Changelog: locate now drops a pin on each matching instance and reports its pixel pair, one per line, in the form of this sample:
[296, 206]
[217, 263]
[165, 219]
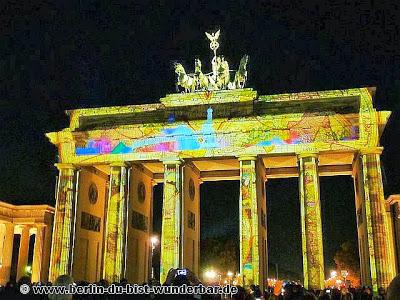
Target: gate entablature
[222, 123]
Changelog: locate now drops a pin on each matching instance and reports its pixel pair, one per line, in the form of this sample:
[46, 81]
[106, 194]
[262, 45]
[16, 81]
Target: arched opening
[339, 226]
[156, 232]
[14, 259]
[284, 229]
[219, 230]
[28, 269]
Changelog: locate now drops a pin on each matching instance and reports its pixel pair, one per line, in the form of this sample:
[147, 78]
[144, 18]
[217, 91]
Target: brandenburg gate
[111, 157]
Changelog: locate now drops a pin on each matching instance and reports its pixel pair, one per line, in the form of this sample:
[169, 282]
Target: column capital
[118, 164]
[9, 224]
[172, 161]
[247, 157]
[65, 166]
[307, 154]
[24, 226]
[391, 201]
[265, 178]
[371, 150]
[40, 225]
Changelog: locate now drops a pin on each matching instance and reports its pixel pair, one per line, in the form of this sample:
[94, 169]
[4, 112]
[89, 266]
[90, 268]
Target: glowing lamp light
[229, 274]
[333, 273]
[154, 240]
[28, 269]
[210, 274]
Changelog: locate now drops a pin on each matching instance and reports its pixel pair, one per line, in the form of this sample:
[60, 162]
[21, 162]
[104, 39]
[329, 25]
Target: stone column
[249, 218]
[37, 254]
[361, 228]
[190, 217]
[262, 224]
[311, 226]
[115, 231]
[46, 251]
[23, 252]
[377, 248]
[7, 253]
[60, 260]
[2, 237]
[171, 218]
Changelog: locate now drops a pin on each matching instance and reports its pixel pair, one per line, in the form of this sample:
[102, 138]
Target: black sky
[58, 55]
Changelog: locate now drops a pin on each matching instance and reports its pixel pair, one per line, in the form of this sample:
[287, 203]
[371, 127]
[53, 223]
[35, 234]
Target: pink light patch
[104, 145]
[161, 147]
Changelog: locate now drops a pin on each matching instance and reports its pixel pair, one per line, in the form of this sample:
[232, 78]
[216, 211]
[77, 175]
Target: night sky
[58, 55]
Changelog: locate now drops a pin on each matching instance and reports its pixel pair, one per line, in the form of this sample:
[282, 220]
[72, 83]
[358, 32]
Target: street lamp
[344, 275]
[230, 275]
[333, 274]
[28, 270]
[154, 242]
[210, 274]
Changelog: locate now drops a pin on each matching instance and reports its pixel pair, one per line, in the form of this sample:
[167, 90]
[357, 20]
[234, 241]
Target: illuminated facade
[216, 129]
[111, 157]
[25, 221]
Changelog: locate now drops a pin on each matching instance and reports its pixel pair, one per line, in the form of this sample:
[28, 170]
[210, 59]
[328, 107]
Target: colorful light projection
[261, 131]
[312, 245]
[171, 216]
[282, 132]
[60, 251]
[249, 260]
[115, 227]
[382, 270]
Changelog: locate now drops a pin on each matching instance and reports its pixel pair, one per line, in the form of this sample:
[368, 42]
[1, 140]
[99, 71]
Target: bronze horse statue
[201, 79]
[241, 73]
[219, 79]
[184, 80]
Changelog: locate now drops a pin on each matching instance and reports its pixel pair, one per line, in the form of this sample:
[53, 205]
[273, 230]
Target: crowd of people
[289, 291]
